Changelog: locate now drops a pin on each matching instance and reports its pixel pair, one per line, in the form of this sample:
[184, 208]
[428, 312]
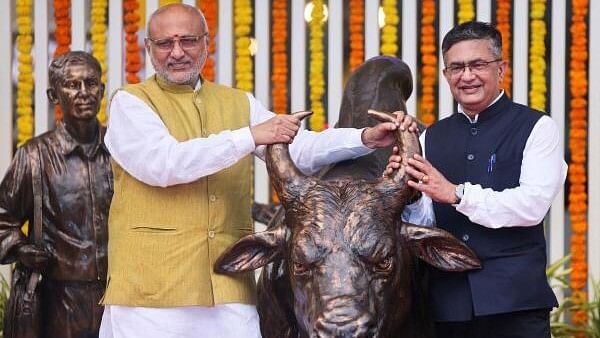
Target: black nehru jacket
[488, 152]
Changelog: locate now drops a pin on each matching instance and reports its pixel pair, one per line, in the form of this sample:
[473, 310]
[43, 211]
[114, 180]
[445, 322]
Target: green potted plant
[559, 323]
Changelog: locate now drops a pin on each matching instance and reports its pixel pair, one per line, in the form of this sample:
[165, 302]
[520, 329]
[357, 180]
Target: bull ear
[439, 248]
[252, 252]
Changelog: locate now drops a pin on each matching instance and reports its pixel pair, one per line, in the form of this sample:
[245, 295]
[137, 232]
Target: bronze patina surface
[342, 264]
[76, 189]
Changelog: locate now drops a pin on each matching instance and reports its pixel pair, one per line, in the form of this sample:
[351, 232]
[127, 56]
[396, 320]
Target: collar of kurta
[68, 144]
[500, 104]
[177, 88]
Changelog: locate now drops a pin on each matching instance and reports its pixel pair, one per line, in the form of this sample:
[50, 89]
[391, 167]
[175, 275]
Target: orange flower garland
[242, 19]
[133, 58]
[62, 34]
[537, 55]
[357, 40]
[504, 25]
[317, 59]
[428, 63]
[25, 67]
[210, 10]
[279, 77]
[577, 197]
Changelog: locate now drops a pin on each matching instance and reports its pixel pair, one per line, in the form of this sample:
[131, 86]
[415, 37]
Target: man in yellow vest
[183, 180]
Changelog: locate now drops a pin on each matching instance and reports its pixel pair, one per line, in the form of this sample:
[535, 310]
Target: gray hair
[474, 30]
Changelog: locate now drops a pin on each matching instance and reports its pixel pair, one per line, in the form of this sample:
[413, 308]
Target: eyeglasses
[476, 66]
[188, 42]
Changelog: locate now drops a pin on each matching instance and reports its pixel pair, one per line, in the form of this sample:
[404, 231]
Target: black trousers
[521, 324]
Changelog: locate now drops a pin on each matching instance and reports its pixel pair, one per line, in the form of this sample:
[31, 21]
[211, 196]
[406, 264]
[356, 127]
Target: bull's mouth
[317, 334]
[345, 327]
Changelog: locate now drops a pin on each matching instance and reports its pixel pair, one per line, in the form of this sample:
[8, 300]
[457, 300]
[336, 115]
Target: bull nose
[340, 326]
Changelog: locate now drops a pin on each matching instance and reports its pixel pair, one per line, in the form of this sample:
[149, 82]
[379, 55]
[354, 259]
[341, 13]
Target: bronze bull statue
[342, 264]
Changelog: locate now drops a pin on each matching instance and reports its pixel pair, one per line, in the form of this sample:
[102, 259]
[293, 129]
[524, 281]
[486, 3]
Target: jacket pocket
[154, 228]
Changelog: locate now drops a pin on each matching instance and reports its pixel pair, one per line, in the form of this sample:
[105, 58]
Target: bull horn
[408, 144]
[286, 178]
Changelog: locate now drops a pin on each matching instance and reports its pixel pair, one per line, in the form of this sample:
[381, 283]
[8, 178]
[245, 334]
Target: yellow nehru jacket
[163, 242]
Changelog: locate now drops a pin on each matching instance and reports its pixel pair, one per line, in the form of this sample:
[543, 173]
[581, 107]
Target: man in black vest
[492, 171]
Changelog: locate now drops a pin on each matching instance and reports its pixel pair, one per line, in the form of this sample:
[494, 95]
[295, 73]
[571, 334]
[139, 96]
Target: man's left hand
[429, 180]
[382, 134]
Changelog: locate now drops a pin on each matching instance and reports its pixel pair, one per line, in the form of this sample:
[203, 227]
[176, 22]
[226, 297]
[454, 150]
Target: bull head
[349, 260]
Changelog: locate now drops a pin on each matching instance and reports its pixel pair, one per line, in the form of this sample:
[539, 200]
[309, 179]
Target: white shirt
[140, 143]
[543, 172]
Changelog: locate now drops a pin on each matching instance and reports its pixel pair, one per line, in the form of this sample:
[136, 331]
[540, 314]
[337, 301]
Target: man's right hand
[278, 129]
[32, 257]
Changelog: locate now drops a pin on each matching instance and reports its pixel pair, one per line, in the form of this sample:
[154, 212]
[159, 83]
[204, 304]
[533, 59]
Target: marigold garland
[244, 68]
[357, 39]
[466, 11]
[279, 76]
[133, 57]
[244, 76]
[577, 196]
[210, 10]
[389, 32]
[98, 37]
[62, 35]
[316, 78]
[167, 2]
[503, 24]
[429, 62]
[537, 55]
[25, 67]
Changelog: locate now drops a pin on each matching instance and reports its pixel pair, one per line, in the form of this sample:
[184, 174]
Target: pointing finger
[383, 117]
[300, 115]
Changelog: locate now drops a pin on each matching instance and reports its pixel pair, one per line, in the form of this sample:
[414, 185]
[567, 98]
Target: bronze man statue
[76, 189]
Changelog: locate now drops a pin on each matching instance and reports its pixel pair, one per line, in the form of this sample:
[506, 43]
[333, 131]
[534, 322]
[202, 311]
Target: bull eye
[300, 269]
[386, 265]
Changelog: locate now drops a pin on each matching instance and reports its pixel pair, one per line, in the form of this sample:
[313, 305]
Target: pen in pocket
[491, 163]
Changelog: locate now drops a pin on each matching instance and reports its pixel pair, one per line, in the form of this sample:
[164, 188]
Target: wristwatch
[459, 192]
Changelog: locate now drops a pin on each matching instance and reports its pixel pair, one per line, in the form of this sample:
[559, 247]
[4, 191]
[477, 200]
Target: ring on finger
[425, 179]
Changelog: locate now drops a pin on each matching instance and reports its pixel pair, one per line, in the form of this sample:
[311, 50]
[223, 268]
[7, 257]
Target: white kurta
[221, 321]
[140, 143]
